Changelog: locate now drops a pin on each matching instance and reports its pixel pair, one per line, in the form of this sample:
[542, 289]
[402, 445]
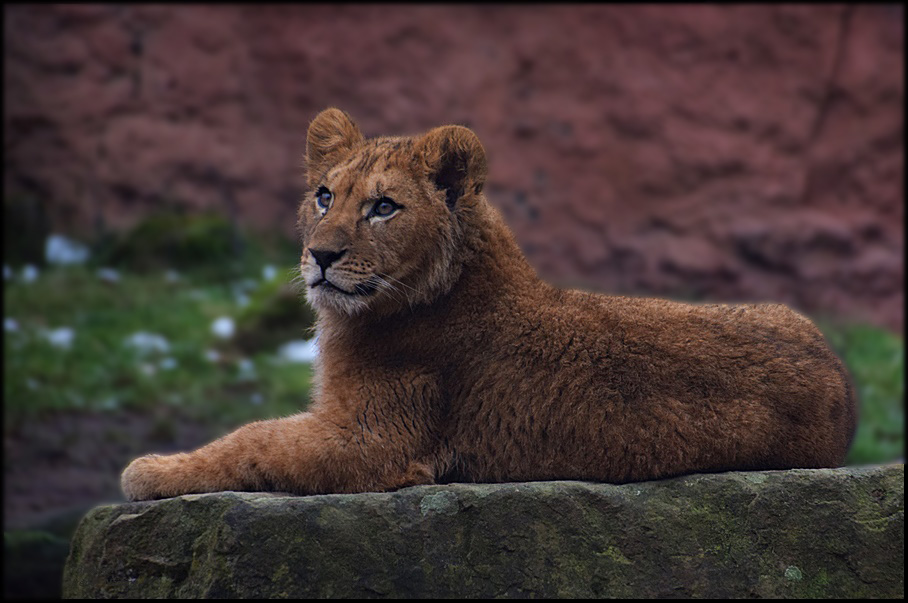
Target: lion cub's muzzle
[324, 259]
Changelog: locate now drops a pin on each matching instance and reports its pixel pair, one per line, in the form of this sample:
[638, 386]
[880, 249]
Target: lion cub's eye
[383, 208]
[323, 198]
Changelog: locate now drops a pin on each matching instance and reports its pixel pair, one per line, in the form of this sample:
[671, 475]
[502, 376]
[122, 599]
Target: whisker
[389, 287]
[388, 276]
[418, 293]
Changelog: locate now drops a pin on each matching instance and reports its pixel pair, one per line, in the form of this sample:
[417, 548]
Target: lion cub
[445, 358]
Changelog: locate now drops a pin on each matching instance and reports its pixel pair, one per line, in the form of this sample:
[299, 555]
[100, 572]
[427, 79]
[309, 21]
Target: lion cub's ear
[332, 134]
[455, 161]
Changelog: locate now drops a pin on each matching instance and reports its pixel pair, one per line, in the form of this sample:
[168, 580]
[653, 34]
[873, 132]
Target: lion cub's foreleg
[305, 454]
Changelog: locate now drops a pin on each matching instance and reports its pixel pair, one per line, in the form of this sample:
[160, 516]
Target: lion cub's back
[765, 357]
[760, 376]
[624, 389]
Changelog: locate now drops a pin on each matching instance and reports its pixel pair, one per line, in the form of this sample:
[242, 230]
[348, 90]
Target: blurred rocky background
[153, 166]
[700, 152]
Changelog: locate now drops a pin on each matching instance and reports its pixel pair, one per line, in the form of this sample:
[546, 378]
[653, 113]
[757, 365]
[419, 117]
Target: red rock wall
[717, 152]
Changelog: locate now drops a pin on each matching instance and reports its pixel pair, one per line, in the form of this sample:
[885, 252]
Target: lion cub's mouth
[358, 289]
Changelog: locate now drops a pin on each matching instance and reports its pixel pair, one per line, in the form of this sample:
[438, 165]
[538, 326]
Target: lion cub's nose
[325, 258]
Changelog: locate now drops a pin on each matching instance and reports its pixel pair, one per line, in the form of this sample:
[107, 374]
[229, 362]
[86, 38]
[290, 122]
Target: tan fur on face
[455, 362]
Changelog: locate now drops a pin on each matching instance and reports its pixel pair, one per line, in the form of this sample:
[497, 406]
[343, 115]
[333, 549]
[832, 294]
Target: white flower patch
[239, 294]
[7, 272]
[246, 368]
[145, 343]
[241, 290]
[212, 355]
[242, 300]
[168, 363]
[269, 272]
[62, 250]
[171, 276]
[108, 275]
[223, 327]
[10, 325]
[257, 398]
[301, 350]
[29, 273]
[61, 338]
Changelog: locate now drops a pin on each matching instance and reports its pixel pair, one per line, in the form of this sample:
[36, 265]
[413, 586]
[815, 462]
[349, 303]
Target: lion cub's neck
[494, 264]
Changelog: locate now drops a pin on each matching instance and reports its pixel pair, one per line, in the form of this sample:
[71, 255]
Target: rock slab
[799, 533]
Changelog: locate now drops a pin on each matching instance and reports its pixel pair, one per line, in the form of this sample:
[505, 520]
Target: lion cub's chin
[323, 298]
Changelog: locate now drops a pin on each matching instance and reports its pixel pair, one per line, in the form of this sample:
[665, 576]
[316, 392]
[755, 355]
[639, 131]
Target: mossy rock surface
[799, 533]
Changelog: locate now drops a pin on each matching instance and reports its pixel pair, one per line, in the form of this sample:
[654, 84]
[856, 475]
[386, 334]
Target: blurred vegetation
[274, 310]
[198, 372]
[172, 240]
[101, 371]
[876, 361]
[192, 242]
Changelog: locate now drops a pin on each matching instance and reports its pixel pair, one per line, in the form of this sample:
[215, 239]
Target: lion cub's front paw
[146, 478]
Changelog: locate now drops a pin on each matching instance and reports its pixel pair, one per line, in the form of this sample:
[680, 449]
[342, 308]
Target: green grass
[100, 373]
[876, 361]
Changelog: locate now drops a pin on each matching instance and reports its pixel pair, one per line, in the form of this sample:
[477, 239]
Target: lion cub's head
[381, 224]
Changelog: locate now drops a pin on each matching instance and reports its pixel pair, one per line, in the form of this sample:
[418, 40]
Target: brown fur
[460, 364]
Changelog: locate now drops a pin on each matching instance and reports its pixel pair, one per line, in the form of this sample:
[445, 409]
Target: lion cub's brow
[357, 171]
[375, 155]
